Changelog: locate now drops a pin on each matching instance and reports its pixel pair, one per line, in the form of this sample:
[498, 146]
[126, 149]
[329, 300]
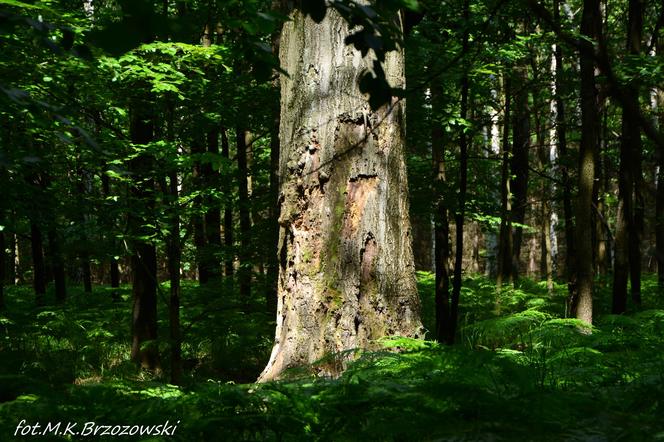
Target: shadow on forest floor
[521, 371]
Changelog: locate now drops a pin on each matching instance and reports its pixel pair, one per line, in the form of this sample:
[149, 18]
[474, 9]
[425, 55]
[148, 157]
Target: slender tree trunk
[174, 258]
[144, 255]
[84, 255]
[57, 264]
[629, 180]
[228, 215]
[505, 262]
[213, 212]
[3, 263]
[39, 269]
[11, 265]
[244, 272]
[459, 217]
[210, 179]
[441, 222]
[347, 272]
[561, 137]
[583, 305]
[519, 163]
[659, 208]
[197, 149]
[114, 265]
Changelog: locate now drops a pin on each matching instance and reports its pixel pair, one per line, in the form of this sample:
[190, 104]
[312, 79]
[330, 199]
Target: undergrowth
[521, 371]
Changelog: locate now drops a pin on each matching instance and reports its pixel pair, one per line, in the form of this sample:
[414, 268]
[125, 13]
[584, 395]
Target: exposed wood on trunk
[346, 265]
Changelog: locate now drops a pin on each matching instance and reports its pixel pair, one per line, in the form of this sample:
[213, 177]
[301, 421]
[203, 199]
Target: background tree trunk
[144, 254]
[583, 304]
[347, 273]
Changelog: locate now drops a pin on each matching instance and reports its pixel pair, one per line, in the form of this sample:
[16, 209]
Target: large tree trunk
[347, 274]
[583, 304]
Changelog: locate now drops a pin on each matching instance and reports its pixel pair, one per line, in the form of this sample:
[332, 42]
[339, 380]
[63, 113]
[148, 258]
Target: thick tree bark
[39, 269]
[144, 255]
[582, 306]
[347, 274]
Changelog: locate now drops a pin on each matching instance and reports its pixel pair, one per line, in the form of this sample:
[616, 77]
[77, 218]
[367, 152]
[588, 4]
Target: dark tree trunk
[144, 256]
[213, 213]
[114, 265]
[3, 263]
[229, 253]
[39, 269]
[57, 264]
[659, 209]
[519, 163]
[84, 255]
[628, 237]
[198, 150]
[561, 137]
[174, 258]
[582, 306]
[244, 272]
[459, 217]
[441, 223]
[505, 261]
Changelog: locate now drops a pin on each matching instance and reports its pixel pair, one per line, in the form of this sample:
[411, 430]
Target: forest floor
[520, 371]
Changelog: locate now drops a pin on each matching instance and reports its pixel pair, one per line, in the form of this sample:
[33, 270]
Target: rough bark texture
[346, 265]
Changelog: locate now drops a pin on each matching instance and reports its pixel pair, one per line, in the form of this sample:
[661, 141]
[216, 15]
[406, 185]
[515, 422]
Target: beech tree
[346, 269]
